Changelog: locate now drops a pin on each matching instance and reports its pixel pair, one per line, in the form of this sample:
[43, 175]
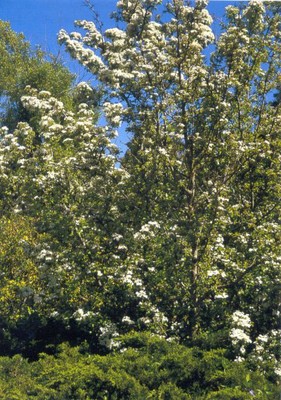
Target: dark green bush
[144, 367]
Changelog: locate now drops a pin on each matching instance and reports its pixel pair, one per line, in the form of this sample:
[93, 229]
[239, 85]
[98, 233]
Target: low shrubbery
[143, 367]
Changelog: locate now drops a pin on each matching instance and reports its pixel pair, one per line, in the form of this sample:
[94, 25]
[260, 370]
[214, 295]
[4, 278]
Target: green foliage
[145, 367]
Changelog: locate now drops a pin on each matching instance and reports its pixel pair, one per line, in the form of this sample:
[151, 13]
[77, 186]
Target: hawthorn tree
[61, 185]
[201, 177]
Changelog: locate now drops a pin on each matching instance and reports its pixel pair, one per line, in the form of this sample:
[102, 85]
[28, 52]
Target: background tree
[22, 66]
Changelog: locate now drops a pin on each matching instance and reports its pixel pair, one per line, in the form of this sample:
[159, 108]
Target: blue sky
[41, 20]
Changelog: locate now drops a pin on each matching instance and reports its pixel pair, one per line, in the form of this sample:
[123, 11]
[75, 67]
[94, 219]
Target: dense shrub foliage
[144, 367]
[155, 274]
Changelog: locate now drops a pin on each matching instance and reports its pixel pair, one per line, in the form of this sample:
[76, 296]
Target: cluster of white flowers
[108, 333]
[113, 113]
[127, 320]
[85, 88]
[45, 255]
[85, 56]
[43, 102]
[222, 295]
[241, 319]
[117, 36]
[216, 272]
[128, 278]
[141, 294]
[239, 334]
[255, 11]
[219, 241]
[93, 37]
[80, 315]
[147, 230]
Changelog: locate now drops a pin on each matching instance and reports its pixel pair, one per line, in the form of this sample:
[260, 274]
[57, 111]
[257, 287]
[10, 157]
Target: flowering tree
[58, 181]
[181, 236]
[201, 174]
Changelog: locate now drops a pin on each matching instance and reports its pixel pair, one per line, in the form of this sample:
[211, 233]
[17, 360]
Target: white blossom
[238, 335]
[240, 319]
